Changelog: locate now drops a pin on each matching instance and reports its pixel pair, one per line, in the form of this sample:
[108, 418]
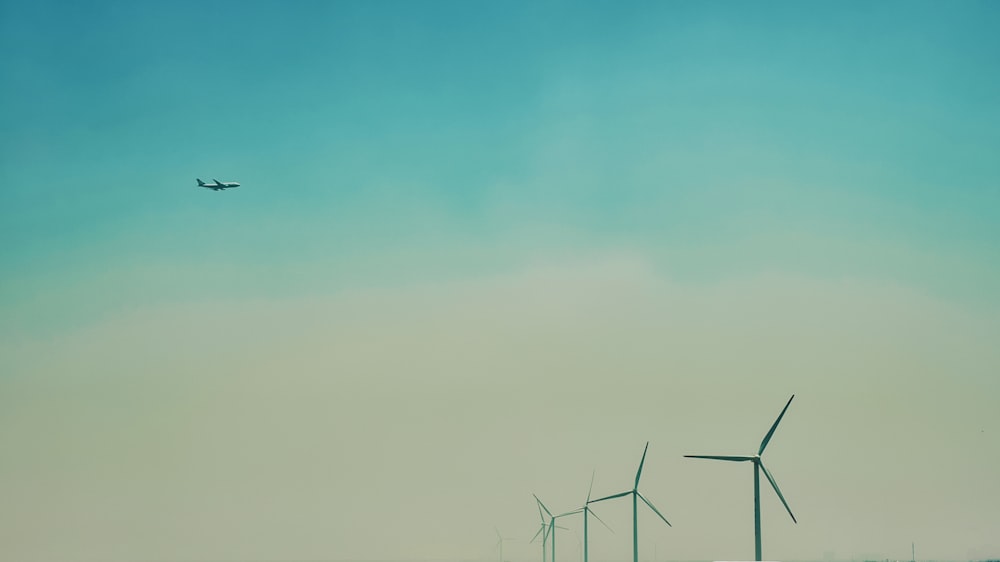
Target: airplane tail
[201, 183]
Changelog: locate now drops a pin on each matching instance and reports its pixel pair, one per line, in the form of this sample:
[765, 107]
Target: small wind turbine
[500, 540]
[543, 530]
[758, 467]
[636, 496]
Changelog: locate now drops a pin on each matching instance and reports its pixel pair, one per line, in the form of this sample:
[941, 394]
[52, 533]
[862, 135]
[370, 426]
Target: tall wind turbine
[500, 539]
[636, 496]
[587, 511]
[552, 525]
[758, 467]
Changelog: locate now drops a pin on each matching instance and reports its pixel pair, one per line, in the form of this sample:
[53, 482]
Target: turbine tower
[758, 467]
[636, 496]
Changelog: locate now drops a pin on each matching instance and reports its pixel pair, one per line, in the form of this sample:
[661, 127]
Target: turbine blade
[561, 527]
[536, 536]
[767, 437]
[775, 485]
[592, 475]
[498, 533]
[599, 519]
[639, 472]
[719, 457]
[542, 505]
[651, 506]
[574, 512]
[611, 497]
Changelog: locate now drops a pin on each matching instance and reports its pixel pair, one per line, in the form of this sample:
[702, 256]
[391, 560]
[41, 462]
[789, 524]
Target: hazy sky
[482, 249]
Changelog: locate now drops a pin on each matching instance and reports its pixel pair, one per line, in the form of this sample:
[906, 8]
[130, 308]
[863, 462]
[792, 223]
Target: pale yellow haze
[407, 422]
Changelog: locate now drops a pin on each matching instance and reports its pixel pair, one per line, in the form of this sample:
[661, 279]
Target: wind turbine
[634, 492]
[587, 511]
[552, 525]
[543, 530]
[500, 540]
[758, 466]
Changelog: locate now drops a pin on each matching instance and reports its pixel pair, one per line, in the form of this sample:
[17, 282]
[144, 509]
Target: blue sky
[751, 159]
[772, 136]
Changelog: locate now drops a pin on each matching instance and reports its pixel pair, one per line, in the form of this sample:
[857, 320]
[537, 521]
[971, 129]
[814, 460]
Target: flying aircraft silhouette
[218, 185]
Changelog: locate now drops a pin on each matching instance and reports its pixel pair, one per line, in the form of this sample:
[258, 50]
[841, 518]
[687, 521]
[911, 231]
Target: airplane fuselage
[218, 185]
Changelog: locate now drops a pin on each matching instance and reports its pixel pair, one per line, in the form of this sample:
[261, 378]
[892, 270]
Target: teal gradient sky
[784, 187]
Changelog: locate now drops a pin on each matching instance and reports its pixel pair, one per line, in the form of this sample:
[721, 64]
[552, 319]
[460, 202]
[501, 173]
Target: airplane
[218, 185]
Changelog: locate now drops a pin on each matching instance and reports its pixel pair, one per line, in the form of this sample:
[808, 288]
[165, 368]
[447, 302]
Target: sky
[484, 250]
